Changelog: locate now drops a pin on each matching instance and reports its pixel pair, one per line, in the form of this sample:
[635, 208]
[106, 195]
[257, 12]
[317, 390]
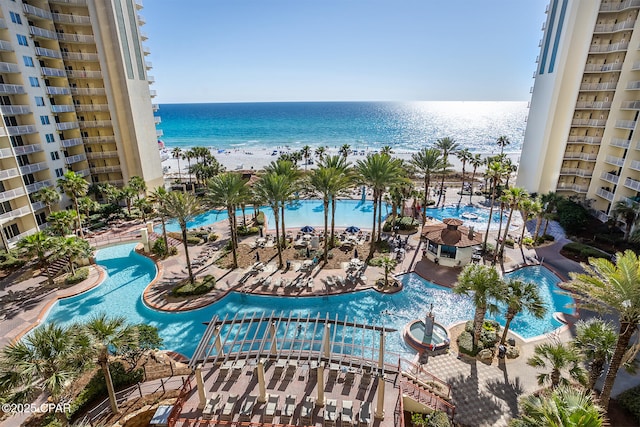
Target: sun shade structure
[450, 243]
[307, 229]
[352, 229]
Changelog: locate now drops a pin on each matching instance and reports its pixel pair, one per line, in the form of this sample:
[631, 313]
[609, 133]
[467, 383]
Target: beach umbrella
[352, 229]
[307, 229]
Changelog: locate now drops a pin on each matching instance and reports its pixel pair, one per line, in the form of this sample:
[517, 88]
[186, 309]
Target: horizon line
[334, 102]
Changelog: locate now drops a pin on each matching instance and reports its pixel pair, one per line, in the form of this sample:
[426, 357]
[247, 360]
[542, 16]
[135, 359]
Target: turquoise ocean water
[405, 126]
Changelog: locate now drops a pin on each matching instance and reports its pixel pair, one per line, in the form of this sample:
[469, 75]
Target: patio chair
[306, 414]
[330, 413]
[364, 416]
[247, 407]
[270, 408]
[346, 415]
[288, 410]
[211, 406]
[229, 406]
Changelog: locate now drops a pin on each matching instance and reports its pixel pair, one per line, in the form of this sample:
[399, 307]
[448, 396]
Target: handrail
[429, 375]
[428, 398]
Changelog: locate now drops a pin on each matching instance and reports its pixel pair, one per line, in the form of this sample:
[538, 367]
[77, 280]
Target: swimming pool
[128, 273]
[298, 213]
[480, 216]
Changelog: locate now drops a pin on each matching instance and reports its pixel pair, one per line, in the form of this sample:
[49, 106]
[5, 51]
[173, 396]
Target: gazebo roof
[451, 232]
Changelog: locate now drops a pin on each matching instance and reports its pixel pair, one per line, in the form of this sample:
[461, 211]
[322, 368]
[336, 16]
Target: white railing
[76, 38]
[603, 48]
[106, 169]
[21, 130]
[79, 56]
[591, 140]
[635, 165]
[75, 2]
[15, 239]
[620, 142]
[633, 85]
[610, 28]
[5, 152]
[581, 156]
[36, 11]
[157, 120]
[613, 160]
[87, 91]
[159, 132]
[37, 206]
[32, 188]
[80, 74]
[632, 184]
[75, 159]
[8, 173]
[102, 155]
[573, 187]
[11, 194]
[71, 19]
[589, 122]
[605, 194]
[57, 90]
[6, 46]
[41, 32]
[631, 105]
[603, 217]
[594, 105]
[63, 108]
[92, 107]
[14, 110]
[95, 124]
[99, 139]
[614, 7]
[626, 124]
[609, 177]
[576, 171]
[35, 167]
[602, 68]
[84, 172]
[66, 125]
[53, 72]
[9, 67]
[50, 53]
[27, 149]
[16, 213]
[11, 89]
[599, 86]
[72, 142]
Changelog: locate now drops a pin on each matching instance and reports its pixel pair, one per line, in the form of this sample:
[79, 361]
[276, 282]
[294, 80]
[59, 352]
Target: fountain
[427, 334]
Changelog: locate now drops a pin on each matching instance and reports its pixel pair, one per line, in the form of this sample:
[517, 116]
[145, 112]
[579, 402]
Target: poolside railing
[177, 407]
[438, 385]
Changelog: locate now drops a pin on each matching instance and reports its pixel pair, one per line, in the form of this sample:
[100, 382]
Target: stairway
[56, 266]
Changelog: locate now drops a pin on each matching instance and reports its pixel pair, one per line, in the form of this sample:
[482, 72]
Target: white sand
[257, 159]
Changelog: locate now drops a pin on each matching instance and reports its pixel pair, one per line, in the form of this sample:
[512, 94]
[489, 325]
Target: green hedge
[198, 288]
[81, 274]
[585, 251]
[489, 336]
[247, 231]
[630, 400]
[465, 344]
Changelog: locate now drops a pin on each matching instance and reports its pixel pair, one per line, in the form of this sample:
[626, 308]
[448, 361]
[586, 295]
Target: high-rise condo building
[580, 138]
[74, 95]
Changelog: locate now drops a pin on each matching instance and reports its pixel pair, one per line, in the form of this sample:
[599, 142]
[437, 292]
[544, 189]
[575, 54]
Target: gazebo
[449, 243]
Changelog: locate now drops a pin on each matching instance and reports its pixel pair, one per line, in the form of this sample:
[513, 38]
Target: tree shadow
[506, 389]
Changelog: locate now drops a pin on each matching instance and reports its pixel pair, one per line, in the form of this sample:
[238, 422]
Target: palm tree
[321, 179]
[596, 340]
[629, 212]
[108, 335]
[229, 190]
[48, 359]
[428, 161]
[183, 207]
[509, 169]
[521, 296]
[157, 198]
[612, 288]
[61, 222]
[446, 146]
[188, 155]
[75, 187]
[387, 264]
[320, 151]
[289, 171]
[494, 173]
[127, 193]
[87, 205]
[342, 180]
[306, 153]
[502, 142]
[144, 206]
[484, 285]
[274, 189]
[563, 407]
[344, 150]
[550, 202]
[74, 248]
[177, 154]
[475, 161]
[558, 358]
[514, 197]
[464, 156]
[138, 185]
[530, 209]
[47, 195]
[386, 150]
[38, 244]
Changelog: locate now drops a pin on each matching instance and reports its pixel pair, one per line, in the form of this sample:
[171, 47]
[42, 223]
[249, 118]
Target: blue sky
[342, 50]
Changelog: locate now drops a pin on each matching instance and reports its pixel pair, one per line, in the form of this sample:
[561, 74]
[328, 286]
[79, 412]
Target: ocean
[405, 126]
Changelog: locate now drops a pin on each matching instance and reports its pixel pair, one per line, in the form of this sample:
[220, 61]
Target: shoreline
[258, 158]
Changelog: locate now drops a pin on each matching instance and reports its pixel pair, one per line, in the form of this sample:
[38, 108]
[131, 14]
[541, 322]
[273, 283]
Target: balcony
[6, 89]
[609, 177]
[616, 7]
[9, 67]
[626, 124]
[32, 188]
[148, 65]
[5, 153]
[588, 140]
[630, 105]
[576, 155]
[76, 38]
[36, 11]
[99, 139]
[75, 159]
[27, 149]
[633, 85]
[603, 68]
[77, 56]
[70, 2]
[157, 120]
[584, 173]
[620, 143]
[92, 107]
[599, 86]
[49, 53]
[589, 122]
[16, 213]
[67, 125]
[21, 236]
[106, 169]
[146, 50]
[80, 74]
[605, 194]
[155, 107]
[602, 217]
[9, 173]
[66, 143]
[42, 33]
[21, 130]
[36, 206]
[95, 124]
[635, 165]
[151, 79]
[57, 90]
[71, 19]
[91, 91]
[15, 110]
[141, 20]
[582, 189]
[5, 46]
[605, 48]
[632, 184]
[159, 133]
[3, 24]
[84, 172]
[63, 108]
[612, 28]
[33, 168]
[143, 36]
[616, 161]
[102, 155]
[53, 72]
[592, 105]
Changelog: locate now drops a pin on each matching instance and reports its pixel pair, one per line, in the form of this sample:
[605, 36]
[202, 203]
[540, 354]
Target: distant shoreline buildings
[74, 95]
[580, 138]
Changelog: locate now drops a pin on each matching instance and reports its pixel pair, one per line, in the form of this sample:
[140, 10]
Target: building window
[39, 101]
[41, 218]
[22, 40]
[33, 81]
[11, 231]
[433, 248]
[49, 137]
[59, 172]
[45, 120]
[28, 61]
[448, 251]
[55, 155]
[15, 18]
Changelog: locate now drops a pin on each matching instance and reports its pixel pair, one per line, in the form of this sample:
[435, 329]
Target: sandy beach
[257, 159]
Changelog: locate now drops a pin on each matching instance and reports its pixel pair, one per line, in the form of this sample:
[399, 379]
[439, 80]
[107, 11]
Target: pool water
[298, 213]
[128, 273]
[479, 223]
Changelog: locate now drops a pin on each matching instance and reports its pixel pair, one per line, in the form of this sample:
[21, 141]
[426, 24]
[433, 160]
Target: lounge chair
[229, 406]
[247, 407]
[270, 408]
[289, 409]
[330, 412]
[211, 406]
[346, 415]
[306, 414]
[364, 416]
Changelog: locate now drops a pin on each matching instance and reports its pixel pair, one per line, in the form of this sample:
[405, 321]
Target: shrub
[173, 250]
[584, 251]
[11, 263]
[509, 243]
[197, 288]
[407, 223]
[386, 227]
[431, 202]
[159, 248]
[193, 240]
[260, 218]
[212, 237]
[571, 216]
[465, 344]
[175, 235]
[247, 231]
[81, 274]
[630, 399]
[438, 419]
[548, 238]
[527, 241]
